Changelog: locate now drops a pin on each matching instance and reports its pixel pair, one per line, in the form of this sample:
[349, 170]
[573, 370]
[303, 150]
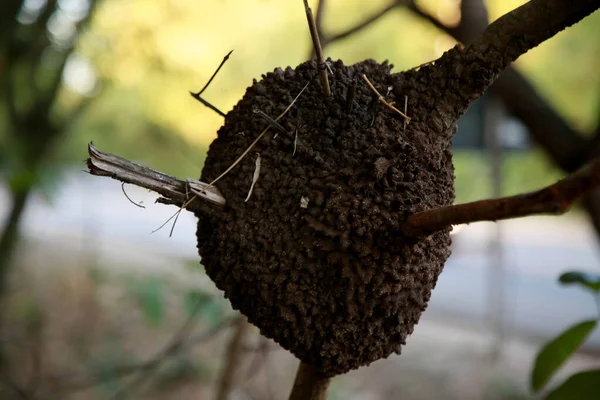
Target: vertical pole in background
[496, 276]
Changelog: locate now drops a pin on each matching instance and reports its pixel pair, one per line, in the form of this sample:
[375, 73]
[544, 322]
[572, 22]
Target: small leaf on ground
[581, 386]
[585, 279]
[556, 352]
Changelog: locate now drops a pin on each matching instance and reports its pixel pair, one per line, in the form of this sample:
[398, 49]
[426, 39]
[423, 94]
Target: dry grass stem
[382, 100]
[198, 96]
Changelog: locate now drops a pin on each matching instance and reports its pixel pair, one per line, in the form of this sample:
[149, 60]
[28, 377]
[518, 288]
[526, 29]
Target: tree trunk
[10, 234]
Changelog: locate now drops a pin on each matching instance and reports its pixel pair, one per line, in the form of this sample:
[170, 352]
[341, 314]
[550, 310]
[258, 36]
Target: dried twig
[314, 33]
[240, 158]
[310, 384]
[232, 358]
[198, 97]
[382, 100]
[554, 199]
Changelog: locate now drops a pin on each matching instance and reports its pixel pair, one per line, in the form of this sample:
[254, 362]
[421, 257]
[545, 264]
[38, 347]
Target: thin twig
[198, 97]
[270, 120]
[554, 199]
[361, 25]
[314, 33]
[310, 384]
[240, 158]
[129, 198]
[232, 358]
[382, 100]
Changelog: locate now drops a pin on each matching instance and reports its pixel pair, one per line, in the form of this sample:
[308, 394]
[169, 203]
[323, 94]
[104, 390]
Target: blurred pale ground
[87, 251]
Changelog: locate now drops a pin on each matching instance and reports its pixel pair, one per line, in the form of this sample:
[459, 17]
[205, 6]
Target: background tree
[37, 43]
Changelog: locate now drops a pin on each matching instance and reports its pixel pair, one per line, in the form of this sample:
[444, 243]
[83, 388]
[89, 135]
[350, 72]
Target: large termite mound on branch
[316, 257]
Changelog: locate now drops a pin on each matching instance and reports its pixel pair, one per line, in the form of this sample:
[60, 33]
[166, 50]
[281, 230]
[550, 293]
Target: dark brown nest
[337, 283]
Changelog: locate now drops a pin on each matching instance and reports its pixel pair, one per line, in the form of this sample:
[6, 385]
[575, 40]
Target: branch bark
[310, 384]
[475, 67]
[555, 199]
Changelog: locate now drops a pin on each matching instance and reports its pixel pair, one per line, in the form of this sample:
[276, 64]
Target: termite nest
[317, 258]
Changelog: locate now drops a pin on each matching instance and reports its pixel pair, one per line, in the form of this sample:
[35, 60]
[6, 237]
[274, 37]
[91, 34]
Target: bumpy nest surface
[337, 283]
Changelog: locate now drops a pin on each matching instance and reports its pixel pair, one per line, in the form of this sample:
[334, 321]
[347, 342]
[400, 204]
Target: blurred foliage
[583, 385]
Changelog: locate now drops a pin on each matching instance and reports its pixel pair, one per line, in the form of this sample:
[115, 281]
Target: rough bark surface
[336, 283]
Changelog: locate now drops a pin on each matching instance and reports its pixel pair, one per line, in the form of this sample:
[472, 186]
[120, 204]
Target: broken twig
[554, 199]
[314, 33]
[172, 189]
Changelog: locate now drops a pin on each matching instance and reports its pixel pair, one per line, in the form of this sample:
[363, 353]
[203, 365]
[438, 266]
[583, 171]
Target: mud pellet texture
[316, 257]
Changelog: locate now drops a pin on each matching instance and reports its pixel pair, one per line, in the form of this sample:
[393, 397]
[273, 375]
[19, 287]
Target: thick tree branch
[554, 199]
[175, 191]
[310, 384]
[478, 65]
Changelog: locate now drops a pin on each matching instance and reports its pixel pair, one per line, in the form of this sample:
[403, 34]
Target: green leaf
[554, 353]
[581, 386]
[585, 279]
[150, 296]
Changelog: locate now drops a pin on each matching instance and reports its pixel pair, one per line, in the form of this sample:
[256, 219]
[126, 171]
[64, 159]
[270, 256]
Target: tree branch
[480, 63]
[554, 199]
[175, 191]
[310, 384]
